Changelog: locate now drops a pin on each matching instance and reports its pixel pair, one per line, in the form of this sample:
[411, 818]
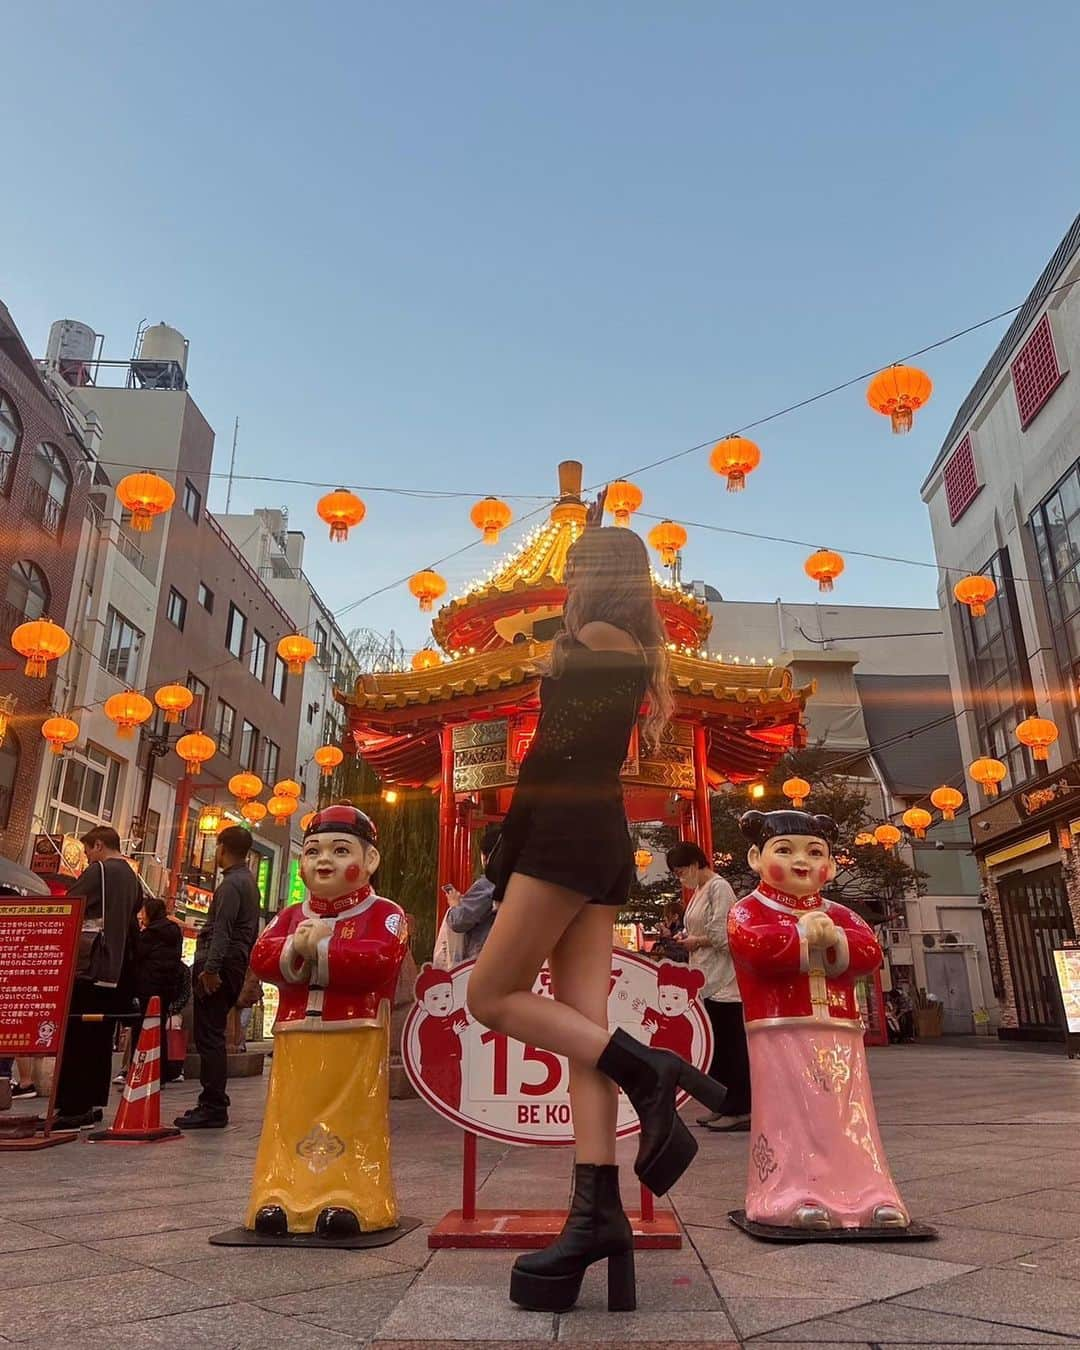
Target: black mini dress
[567, 822]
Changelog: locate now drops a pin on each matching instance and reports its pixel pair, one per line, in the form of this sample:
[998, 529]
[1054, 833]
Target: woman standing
[706, 940]
[562, 871]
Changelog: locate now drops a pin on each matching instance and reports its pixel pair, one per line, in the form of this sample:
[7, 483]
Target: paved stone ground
[104, 1247]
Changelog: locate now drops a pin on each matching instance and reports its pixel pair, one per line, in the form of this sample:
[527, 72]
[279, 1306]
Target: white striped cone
[138, 1118]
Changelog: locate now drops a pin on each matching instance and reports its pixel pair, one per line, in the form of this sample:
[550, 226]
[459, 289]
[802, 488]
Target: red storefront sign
[39, 946]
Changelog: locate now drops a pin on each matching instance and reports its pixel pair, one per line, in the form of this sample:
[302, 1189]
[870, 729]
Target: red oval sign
[518, 1094]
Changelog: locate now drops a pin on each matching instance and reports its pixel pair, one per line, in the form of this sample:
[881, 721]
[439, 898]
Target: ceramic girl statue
[323, 1166]
[817, 1164]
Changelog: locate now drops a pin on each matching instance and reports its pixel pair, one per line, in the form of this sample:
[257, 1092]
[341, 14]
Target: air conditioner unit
[944, 941]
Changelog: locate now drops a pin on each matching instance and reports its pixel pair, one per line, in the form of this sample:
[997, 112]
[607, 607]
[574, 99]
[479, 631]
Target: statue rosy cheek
[823, 874]
[777, 873]
[352, 872]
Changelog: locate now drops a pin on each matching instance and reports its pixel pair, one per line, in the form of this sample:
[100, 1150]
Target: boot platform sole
[559, 1293]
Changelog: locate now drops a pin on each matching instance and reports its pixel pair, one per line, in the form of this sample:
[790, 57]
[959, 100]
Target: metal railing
[10, 617]
[43, 507]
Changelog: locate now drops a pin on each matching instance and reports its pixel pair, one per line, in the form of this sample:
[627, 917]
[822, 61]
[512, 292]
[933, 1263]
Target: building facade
[277, 555]
[1004, 501]
[179, 604]
[45, 488]
[882, 713]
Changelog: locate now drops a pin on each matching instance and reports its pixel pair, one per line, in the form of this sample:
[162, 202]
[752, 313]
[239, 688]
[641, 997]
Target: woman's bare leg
[581, 978]
[533, 916]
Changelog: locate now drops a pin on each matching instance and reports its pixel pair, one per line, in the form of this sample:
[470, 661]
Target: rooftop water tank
[162, 359]
[71, 350]
[70, 340]
[162, 343]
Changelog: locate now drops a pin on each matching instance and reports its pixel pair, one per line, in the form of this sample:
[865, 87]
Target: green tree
[408, 844]
[867, 873]
[648, 898]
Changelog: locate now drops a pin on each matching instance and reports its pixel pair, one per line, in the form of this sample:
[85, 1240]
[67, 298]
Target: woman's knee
[484, 1000]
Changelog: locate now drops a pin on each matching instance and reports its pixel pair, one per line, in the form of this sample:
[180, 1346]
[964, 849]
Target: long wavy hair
[609, 581]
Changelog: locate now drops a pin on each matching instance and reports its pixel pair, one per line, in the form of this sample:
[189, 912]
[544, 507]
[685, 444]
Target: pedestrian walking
[471, 915]
[706, 941]
[158, 970]
[112, 898]
[562, 869]
[222, 951]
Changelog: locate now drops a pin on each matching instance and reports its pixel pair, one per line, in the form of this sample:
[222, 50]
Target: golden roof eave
[719, 686]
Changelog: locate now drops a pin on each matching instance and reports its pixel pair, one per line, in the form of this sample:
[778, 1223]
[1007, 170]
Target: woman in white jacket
[706, 941]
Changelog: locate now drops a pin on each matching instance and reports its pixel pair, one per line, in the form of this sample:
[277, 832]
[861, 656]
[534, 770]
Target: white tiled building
[1004, 500]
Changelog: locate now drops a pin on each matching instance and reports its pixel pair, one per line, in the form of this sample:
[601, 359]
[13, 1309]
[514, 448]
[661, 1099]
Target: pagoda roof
[751, 714]
[528, 587]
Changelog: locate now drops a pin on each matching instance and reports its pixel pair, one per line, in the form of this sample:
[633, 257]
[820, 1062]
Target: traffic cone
[138, 1119]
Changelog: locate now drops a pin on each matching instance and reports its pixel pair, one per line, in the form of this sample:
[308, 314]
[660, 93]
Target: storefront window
[999, 683]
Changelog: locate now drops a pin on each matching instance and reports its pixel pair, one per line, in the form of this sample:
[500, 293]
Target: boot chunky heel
[652, 1079]
[596, 1229]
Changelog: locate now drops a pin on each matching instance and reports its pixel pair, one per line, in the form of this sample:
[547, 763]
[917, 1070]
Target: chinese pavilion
[461, 723]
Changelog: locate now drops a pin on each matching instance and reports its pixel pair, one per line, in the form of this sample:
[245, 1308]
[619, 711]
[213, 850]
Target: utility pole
[232, 465]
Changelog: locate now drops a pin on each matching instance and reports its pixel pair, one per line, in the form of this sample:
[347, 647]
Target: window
[335, 664]
[249, 746]
[999, 684]
[1055, 525]
[234, 631]
[50, 487]
[320, 644]
[27, 592]
[10, 432]
[151, 831]
[176, 608]
[206, 597]
[273, 755]
[961, 483]
[280, 683]
[191, 499]
[85, 790]
[1035, 372]
[226, 722]
[123, 643]
[197, 712]
[9, 768]
[257, 656]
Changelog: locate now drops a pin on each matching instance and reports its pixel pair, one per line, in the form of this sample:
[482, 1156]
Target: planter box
[930, 1021]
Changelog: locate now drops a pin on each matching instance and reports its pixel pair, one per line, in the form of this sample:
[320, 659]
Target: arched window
[9, 768]
[28, 591]
[50, 487]
[10, 431]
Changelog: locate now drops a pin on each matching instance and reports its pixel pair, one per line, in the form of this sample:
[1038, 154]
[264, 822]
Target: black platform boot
[596, 1229]
[651, 1079]
[272, 1221]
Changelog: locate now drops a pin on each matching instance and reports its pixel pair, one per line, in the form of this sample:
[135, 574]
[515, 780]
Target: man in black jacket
[112, 899]
[221, 960]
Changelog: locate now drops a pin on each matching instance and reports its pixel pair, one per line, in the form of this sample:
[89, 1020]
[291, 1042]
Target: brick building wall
[23, 537]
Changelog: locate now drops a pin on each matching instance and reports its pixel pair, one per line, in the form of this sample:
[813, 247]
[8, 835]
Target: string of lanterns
[897, 392]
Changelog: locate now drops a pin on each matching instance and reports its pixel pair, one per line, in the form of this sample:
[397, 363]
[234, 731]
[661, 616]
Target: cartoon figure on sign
[670, 1027]
[323, 1168]
[440, 1033]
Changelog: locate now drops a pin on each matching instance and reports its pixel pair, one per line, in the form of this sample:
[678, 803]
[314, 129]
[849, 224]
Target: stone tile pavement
[104, 1247]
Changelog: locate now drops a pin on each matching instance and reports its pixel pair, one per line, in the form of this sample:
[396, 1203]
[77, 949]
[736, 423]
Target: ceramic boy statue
[323, 1166]
[817, 1164]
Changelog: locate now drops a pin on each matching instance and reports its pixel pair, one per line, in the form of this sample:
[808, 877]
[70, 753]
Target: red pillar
[702, 813]
[446, 820]
[184, 789]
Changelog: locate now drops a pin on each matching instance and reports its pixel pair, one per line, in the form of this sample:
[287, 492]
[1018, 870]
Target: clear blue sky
[447, 244]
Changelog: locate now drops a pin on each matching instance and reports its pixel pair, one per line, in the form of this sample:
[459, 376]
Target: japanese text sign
[39, 946]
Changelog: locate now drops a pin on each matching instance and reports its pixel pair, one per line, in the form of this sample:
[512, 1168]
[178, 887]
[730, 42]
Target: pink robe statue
[816, 1157]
